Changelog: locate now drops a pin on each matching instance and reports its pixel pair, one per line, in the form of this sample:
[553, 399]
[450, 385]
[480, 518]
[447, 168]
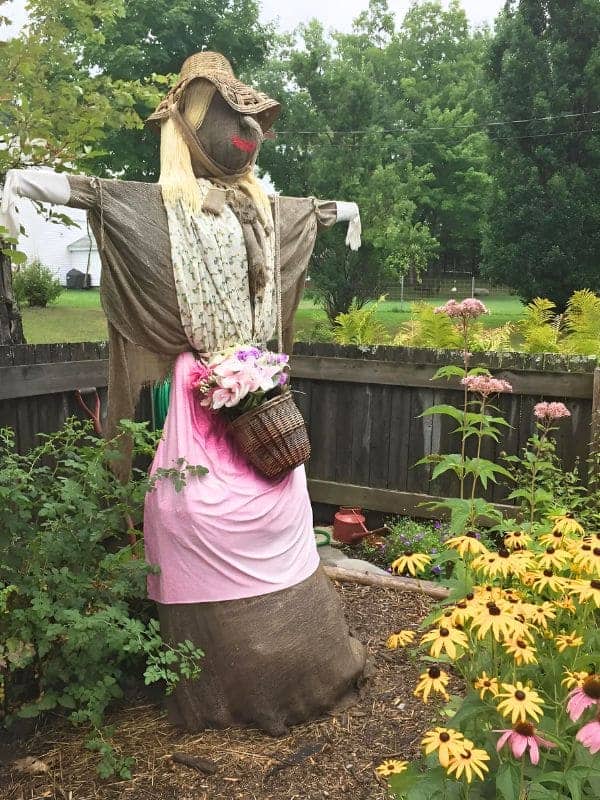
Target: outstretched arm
[42, 185]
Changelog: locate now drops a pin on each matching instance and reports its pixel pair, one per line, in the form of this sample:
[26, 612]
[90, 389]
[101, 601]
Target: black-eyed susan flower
[573, 678]
[445, 637]
[516, 540]
[520, 650]
[547, 580]
[446, 741]
[566, 524]
[553, 558]
[538, 615]
[519, 702]
[587, 558]
[485, 684]
[470, 762]
[462, 612]
[400, 639]
[391, 766]
[566, 604]
[587, 591]
[564, 640]
[432, 680]
[494, 617]
[503, 563]
[468, 543]
[413, 562]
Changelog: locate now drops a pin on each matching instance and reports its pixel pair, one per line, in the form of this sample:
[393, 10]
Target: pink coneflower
[485, 385]
[199, 376]
[589, 736]
[583, 697]
[551, 411]
[467, 309]
[521, 737]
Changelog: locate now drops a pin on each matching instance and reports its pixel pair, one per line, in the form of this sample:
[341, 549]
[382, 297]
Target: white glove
[36, 184]
[348, 212]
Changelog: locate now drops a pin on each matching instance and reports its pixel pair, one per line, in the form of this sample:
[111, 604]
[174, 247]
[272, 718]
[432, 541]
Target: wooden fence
[362, 407]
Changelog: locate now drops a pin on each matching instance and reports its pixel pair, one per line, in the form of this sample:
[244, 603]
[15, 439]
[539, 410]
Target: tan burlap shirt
[138, 291]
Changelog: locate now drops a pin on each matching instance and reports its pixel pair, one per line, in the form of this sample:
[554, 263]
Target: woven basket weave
[273, 436]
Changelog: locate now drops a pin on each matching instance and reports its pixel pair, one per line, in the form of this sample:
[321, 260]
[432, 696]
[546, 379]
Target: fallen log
[387, 582]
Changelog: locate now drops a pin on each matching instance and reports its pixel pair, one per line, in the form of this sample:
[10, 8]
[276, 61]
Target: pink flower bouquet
[239, 380]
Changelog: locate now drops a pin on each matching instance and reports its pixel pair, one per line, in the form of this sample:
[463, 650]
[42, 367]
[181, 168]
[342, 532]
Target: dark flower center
[434, 672]
[444, 737]
[597, 551]
[470, 596]
[513, 599]
[557, 534]
[409, 553]
[466, 755]
[471, 534]
[550, 550]
[462, 604]
[595, 584]
[444, 632]
[586, 547]
[519, 695]
[591, 687]
[520, 643]
[487, 683]
[548, 573]
[503, 553]
[524, 728]
[494, 610]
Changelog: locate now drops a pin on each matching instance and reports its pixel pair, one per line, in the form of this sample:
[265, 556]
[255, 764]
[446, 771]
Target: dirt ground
[332, 758]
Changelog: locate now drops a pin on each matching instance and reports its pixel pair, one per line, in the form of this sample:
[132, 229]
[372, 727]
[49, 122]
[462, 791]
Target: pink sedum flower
[551, 411]
[589, 736]
[583, 697]
[486, 385]
[521, 737]
[470, 308]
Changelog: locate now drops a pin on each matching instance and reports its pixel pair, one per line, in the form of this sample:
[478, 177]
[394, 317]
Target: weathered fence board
[363, 408]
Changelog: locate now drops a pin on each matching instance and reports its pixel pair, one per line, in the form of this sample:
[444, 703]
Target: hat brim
[238, 96]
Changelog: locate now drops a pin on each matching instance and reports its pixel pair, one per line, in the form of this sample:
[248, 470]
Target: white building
[57, 246]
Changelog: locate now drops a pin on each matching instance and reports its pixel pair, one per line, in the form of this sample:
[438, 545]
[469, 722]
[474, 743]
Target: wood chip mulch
[332, 758]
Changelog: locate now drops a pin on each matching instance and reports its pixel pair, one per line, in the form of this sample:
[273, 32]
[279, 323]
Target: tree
[543, 230]
[389, 118]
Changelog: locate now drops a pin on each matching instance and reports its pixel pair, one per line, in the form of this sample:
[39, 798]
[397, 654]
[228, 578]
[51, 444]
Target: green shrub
[74, 621]
[36, 285]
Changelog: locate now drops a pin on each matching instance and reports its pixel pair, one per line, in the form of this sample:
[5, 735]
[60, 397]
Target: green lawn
[77, 317]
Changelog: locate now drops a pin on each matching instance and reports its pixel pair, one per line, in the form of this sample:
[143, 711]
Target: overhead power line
[488, 124]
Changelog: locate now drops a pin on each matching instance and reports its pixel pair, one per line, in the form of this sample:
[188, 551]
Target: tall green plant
[74, 624]
[359, 325]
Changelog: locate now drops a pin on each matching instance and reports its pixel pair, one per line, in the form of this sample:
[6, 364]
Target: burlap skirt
[271, 661]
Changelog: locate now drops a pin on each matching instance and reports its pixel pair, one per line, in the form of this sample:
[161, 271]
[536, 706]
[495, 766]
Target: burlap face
[226, 138]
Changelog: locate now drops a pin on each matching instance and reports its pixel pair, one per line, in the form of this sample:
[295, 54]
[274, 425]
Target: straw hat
[215, 68]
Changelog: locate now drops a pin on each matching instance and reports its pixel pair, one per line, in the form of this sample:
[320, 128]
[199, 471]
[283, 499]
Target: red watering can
[349, 526]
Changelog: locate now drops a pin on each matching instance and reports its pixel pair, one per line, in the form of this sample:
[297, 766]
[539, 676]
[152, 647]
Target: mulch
[334, 757]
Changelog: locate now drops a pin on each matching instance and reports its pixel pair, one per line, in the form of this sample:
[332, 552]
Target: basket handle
[276, 225]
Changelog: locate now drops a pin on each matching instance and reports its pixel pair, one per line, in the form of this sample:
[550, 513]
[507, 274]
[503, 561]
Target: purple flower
[437, 525]
[282, 379]
[247, 352]
[436, 570]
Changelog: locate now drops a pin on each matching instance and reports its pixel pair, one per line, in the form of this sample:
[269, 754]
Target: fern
[541, 327]
[428, 329]
[582, 323]
[359, 326]
[498, 339]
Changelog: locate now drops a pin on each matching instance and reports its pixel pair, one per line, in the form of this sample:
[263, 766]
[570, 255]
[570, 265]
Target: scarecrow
[192, 265]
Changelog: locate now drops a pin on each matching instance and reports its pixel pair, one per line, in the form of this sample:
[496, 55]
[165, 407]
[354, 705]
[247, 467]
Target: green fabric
[161, 393]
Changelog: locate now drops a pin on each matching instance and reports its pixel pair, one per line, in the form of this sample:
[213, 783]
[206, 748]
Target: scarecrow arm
[348, 212]
[45, 186]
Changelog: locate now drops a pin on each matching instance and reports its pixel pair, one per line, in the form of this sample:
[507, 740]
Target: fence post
[595, 432]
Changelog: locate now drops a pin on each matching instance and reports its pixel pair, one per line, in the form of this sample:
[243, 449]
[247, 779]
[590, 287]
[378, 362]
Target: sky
[336, 14]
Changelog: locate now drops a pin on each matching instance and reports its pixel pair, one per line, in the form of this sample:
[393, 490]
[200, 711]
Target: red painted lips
[243, 144]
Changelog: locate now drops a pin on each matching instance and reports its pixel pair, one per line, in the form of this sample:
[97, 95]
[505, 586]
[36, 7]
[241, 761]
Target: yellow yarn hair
[177, 179]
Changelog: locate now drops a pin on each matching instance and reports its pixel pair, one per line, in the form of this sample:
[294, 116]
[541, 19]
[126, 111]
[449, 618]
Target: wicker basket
[273, 436]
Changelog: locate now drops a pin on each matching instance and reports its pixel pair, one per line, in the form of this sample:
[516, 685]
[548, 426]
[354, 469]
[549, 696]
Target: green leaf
[450, 411]
[450, 371]
[508, 781]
